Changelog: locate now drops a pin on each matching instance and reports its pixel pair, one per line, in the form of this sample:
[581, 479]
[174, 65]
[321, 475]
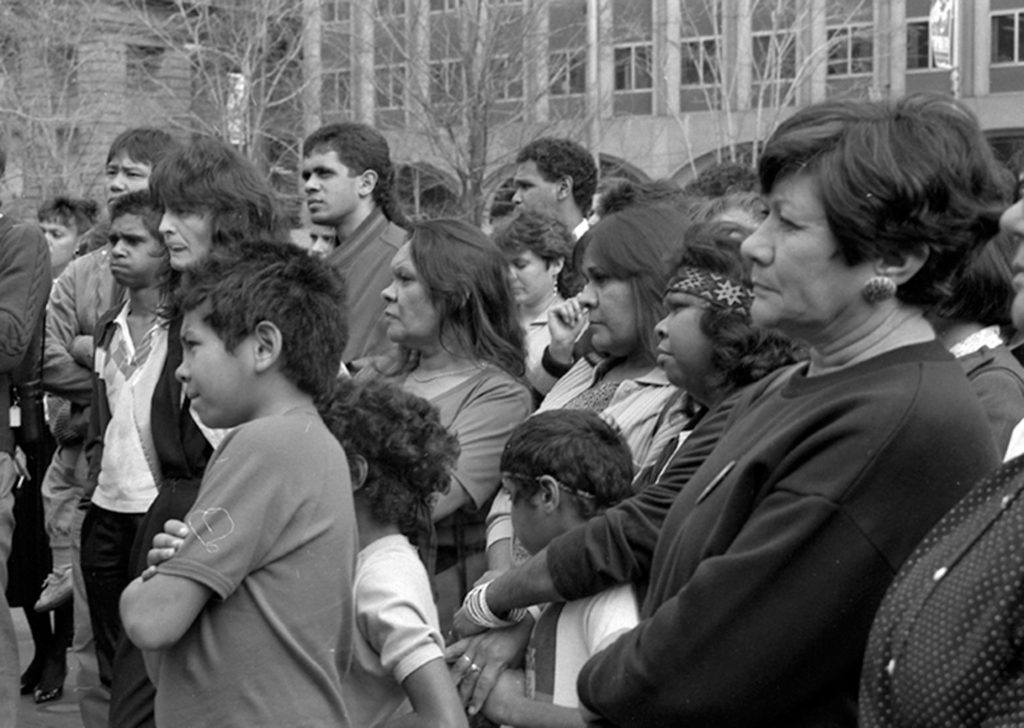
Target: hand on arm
[478, 661]
[165, 545]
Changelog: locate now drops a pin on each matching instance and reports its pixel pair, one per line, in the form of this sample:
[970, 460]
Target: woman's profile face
[188, 236]
[612, 311]
[410, 315]
[532, 277]
[684, 350]
[802, 285]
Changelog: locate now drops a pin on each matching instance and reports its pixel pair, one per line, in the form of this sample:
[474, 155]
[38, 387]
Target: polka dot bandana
[718, 290]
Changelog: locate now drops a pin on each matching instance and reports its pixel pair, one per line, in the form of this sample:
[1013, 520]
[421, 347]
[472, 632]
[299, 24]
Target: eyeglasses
[521, 478]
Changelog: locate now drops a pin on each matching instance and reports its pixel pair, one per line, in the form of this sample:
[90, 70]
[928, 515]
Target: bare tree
[749, 80]
[468, 80]
[47, 52]
[246, 71]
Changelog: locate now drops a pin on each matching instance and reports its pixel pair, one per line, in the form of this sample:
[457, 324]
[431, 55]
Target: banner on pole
[940, 32]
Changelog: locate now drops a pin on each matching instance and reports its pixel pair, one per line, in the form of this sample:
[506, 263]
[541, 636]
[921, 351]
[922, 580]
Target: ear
[564, 189]
[555, 266]
[367, 183]
[358, 469]
[548, 495]
[267, 345]
[901, 268]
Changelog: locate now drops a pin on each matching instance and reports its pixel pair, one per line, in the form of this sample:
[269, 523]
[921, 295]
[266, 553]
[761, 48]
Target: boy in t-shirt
[560, 468]
[401, 457]
[250, 621]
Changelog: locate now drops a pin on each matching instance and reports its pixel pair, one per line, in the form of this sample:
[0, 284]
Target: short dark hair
[983, 289]
[361, 147]
[467, 280]
[139, 203]
[143, 144]
[896, 177]
[303, 296]
[709, 208]
[632, 245]
[741, 353]
[618, 193]
[80, 212]
[723, 178]
[547, 238]
[209, 175]
[557, 158]
[578, 448]
[408, 452]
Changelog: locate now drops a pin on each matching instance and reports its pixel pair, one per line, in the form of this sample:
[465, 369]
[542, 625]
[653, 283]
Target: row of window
[340, 11]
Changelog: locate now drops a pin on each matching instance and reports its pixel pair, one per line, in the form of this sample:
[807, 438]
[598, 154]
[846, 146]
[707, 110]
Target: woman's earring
[878, 289]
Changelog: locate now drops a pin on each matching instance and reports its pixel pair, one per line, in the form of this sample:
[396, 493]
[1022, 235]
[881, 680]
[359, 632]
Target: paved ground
[61, 713]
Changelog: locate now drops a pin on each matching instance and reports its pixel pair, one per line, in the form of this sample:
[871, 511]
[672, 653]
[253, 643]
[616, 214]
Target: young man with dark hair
[349, 178]
[250, 621]
[24, 284]
[557, 177]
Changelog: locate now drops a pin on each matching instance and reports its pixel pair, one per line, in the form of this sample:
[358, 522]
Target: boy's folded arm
[157, 612]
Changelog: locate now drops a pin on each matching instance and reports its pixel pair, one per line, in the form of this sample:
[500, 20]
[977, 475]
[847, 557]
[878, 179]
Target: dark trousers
[107, 538]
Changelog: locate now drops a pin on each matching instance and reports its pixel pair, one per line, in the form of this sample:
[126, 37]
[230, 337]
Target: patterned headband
[718, 290]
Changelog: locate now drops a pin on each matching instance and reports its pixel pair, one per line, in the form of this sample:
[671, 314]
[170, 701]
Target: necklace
[442, 374]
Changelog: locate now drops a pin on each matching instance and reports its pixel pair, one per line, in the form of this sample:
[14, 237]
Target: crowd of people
[636, 455]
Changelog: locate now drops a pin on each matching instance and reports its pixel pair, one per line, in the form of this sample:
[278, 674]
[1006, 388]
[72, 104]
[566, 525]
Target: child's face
[533, 523]
[217, 381]
[125, 175]
[187, 235]
[137, 258]
[62, 239]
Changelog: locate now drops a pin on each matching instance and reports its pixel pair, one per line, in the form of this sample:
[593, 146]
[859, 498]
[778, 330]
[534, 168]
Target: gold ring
[473, 667]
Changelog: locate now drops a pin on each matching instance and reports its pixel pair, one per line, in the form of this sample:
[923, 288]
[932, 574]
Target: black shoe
[30, 678]
[51, 684]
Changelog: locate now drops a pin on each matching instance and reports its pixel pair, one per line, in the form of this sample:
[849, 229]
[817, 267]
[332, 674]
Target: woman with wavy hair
[450, 310]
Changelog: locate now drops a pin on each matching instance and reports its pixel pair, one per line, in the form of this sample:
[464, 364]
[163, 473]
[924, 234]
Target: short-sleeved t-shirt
[397, 633]
[273, 535]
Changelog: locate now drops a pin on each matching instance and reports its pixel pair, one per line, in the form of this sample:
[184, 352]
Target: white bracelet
[479, 611]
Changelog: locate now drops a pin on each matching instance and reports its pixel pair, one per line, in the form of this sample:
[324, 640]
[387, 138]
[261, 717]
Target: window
[1008, 37]
[700, 62]
[143, 67]
[850, 50]
[919, 51]
[446, 81]
[335, 90]
[336, 11]
[568, 72]
[390, 8]
[774, 56]
[390, 86]
[440, 6]
[633, 69]
[506, 78]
